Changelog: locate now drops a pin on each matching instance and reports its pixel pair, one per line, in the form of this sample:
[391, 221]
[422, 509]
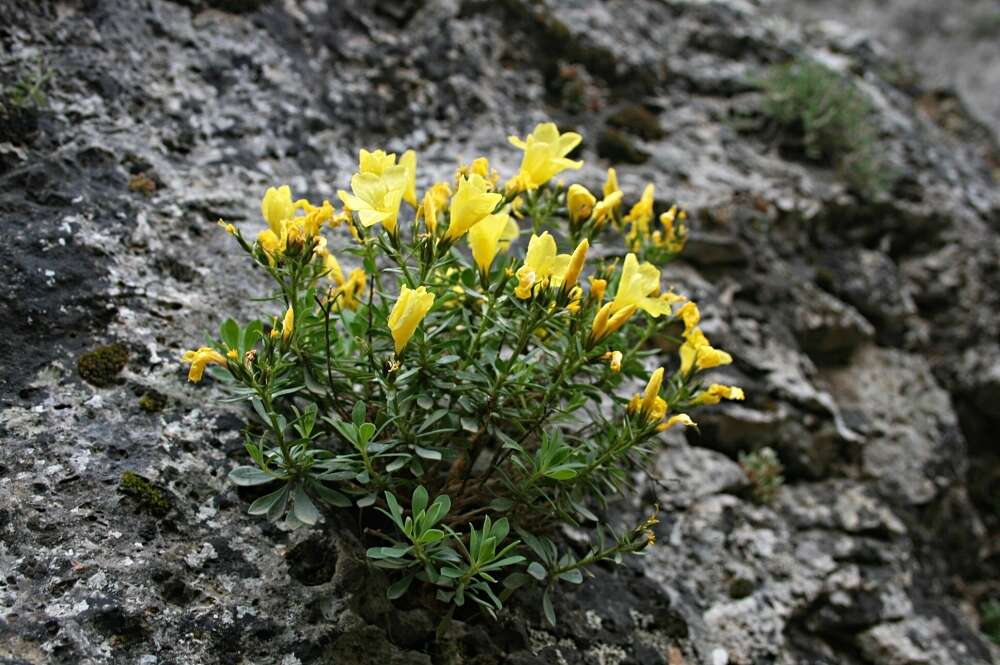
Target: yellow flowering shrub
[468, 391]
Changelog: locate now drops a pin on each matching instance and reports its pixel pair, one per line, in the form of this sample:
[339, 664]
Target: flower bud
[575, 265]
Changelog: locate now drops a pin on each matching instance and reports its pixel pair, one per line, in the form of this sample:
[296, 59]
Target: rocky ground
[866, 331]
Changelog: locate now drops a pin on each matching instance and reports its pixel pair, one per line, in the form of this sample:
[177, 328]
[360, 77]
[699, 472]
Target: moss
[741, 587]
[146, 495]
[152, 401]
[100, 366]
[637, 120]
[616, 146]
[142, 183]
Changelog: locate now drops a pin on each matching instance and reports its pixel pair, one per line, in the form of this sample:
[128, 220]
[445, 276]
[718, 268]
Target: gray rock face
[865, 333]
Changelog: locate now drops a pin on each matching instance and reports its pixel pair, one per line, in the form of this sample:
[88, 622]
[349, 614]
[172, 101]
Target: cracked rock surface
[865, 332]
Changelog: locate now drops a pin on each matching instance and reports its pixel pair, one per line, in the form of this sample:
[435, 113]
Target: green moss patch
[101, 366]
[147, 496]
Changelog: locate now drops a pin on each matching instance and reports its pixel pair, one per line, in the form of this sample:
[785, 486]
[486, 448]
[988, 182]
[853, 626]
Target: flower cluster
[472, 385]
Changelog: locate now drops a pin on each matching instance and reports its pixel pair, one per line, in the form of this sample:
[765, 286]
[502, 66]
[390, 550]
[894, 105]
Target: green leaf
[537, 571]
[358, 413]
[365, 501]
[230, 333]
[550, 612]
[365, 433]
[560, 473]
[419, 501]
[574, 576]
[427, 453]
[247, 476]
[330, 496]
[501, 504]
[303, 508]
[399, 587]
[264, 504]
[387, 552]
[438, 509]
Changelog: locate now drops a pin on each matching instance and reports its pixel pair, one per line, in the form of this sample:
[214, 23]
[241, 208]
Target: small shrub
[20, 103]
[830, 118]
[763, 469]
[476, 398]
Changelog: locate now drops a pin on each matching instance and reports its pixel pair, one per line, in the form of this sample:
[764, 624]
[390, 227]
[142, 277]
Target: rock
[369, 646]
[869, 551]
[829, 329]
[687, 473]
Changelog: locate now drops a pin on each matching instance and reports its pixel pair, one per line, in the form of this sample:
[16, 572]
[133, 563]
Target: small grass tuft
[763, 469]
[822, 114]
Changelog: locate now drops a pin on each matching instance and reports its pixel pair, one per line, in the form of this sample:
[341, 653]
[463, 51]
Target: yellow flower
[435, 201]
[545, 151]
[672, 238]
[679, 419]
[652, 392]
[484, 239]
[510, 233]
[696, 352]
[580, 203]
[376, 198]
[481, 167]
[287, 325]
[643, 209]
[575, 266]
[200, 359]
[277, 206]
[333, 270]
[272, 244]
[717, 392]
[348, 294]
[376, 162]
[690, 315]
[541, 266]
[611, 184]
[639, 217]
[409, 310]
[472, 203]
[597, 288]
[606, 207]
[347, 291]
[575, 296]
[314, 216]
[638, 286]
[614, 359]
[409, 162]
[606, 323]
